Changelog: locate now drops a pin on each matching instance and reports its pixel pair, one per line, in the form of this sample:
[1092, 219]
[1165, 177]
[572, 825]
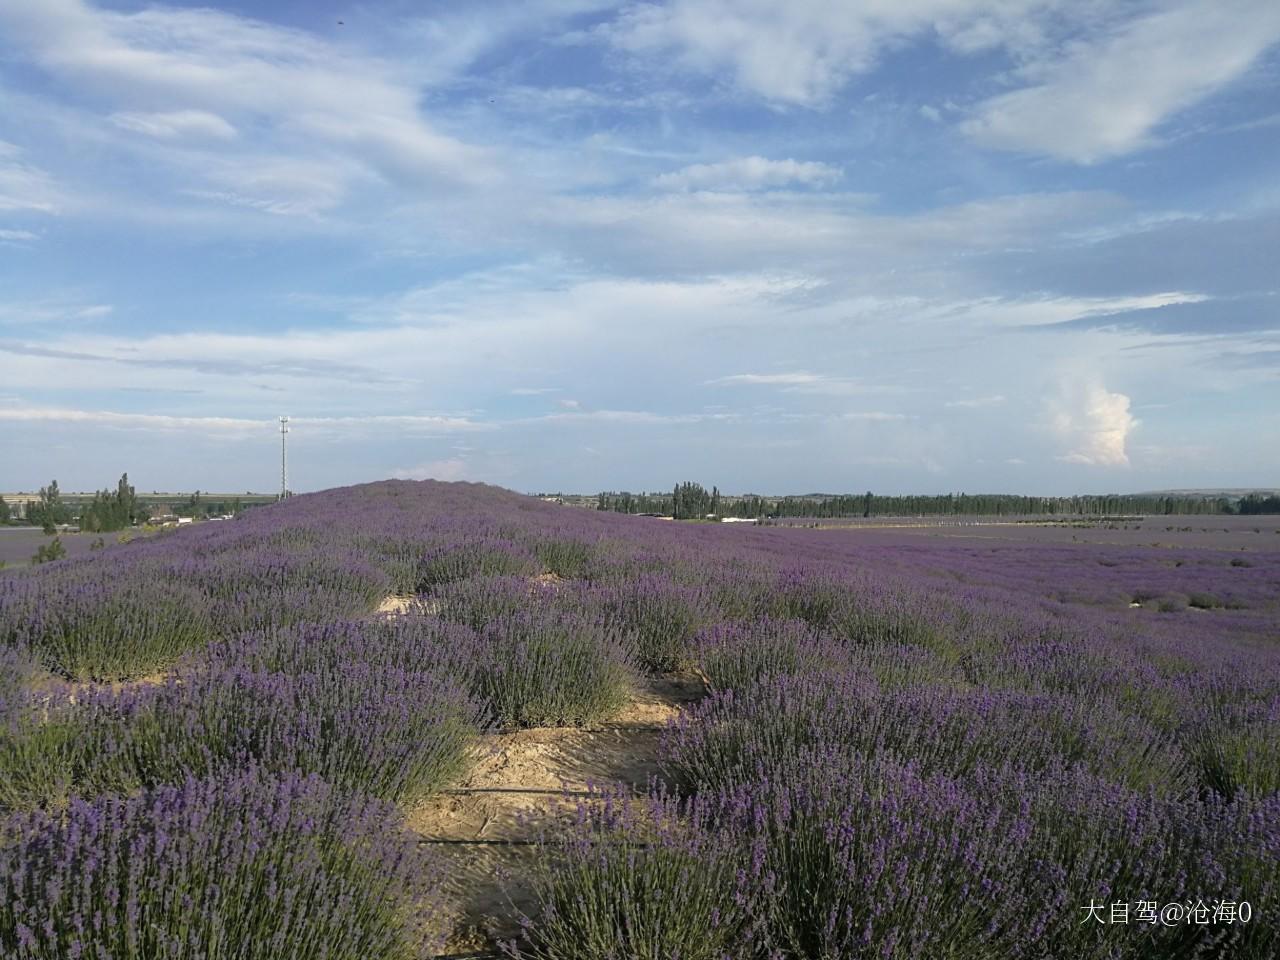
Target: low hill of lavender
[909, 747]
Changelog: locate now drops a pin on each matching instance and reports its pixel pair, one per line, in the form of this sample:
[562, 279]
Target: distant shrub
[1203, 601]
[49, 552]
[252, 869]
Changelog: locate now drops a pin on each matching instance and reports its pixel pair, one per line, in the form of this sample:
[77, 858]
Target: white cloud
[749, 173]
[144, 421]
[18, 236]
[1106, 97]
[27, 188]
[454, 468]
[874, 416]
[213, 424]
[803, 51]
[1093, 423]
[772, 379]
[976, 402]
[44, 313]
[175, 124]
[197, 73]
[802, 382]
[623, 416]
[1043, 311]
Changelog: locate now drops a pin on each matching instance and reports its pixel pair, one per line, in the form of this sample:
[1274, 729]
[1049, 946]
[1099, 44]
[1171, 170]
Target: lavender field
[213, 745]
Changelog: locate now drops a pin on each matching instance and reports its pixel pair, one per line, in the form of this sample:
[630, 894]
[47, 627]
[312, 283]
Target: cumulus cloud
[1093, 424]
[749, 173]
[1106, 97]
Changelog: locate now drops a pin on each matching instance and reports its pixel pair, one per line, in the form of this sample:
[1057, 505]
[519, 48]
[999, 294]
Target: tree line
[691, 500]
[110, 510]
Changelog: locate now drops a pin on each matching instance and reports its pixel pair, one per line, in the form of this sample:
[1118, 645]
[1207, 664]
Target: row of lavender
[905, 777]
[882, 770]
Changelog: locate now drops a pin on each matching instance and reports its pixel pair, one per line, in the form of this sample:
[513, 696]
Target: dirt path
[526, 779]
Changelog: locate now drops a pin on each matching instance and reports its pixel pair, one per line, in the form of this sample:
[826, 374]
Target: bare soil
[398, 604]
[522, 783]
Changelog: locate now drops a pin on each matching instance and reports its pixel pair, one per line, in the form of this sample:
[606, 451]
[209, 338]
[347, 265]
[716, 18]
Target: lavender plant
[739, 655]
[87, 630]
[491, 557]
[640, 878]
[661, 618]
[389, 732]
[249, 868]
[546, 667]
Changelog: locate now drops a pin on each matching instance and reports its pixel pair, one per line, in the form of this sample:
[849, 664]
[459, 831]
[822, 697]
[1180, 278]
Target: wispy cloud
[749, 173]
[176, 124]
[1107, 97]
[769, 379]
[976, 402]
[805, 52]
[26, 188]
[875, 416]
[151, 421]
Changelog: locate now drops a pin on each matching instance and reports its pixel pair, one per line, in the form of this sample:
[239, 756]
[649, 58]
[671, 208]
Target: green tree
[5, 513]
[111, 511]
[50, 511]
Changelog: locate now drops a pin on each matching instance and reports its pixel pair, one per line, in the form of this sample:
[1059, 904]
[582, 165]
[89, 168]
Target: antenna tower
[284, 458]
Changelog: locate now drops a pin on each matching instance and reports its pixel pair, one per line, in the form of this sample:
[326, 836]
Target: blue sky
[904, 245]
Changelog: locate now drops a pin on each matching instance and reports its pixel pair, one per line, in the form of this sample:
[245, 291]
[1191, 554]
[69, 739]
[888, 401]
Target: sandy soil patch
[398, 604]
[525, 781]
